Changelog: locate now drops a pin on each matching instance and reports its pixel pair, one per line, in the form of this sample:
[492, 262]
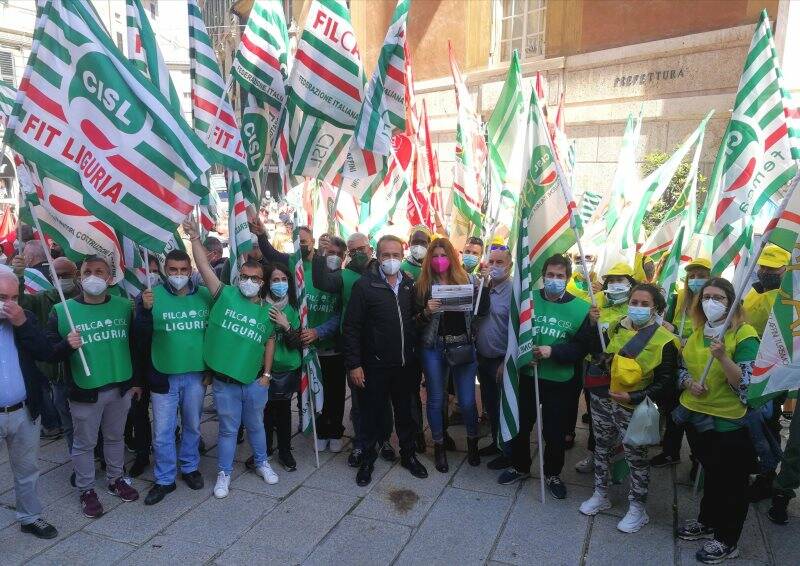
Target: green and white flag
[682, 214]
[755, 157]
[325, 91]
[506, 133]
[589, 203]
[626, 174]
[384, 110]
[90, 120]
[212, 112]
[543, 217]
[143, 51]
[35, 281]
[7, 96]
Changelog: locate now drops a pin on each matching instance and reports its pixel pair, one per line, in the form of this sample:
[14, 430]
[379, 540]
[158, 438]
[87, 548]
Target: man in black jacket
[21, 344]
[379, 353]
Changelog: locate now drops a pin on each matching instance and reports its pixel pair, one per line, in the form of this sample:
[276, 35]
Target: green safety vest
[105, 330]
[179, 327]
[237, 331]
[285, 358]
[556, 323]
[349, 278]
[321, 307]
[411, 269]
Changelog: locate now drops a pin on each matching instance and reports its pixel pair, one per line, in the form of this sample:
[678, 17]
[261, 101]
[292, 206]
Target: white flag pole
[539, 445]
[57, 283]
[147, 268]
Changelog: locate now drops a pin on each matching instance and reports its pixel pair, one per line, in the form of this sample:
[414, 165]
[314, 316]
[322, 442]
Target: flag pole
[147, 268]
[57, 283]
[750, 269]
[539, 445]
[222, 96]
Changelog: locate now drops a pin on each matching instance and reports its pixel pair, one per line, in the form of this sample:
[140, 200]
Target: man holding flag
[759, 300]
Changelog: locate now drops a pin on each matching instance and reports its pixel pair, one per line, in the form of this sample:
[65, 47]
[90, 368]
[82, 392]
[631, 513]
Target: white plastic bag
[643, 430]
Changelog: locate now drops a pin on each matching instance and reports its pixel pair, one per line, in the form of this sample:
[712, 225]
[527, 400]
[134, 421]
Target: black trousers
[673, 433]
[728, 459]
[490, 394]
[557, 398]
[138, 432]
[278, 418]
[397, 384]
[329, 422]
[577, 387]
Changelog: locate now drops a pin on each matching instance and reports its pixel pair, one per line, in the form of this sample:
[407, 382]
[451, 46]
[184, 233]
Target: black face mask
[770, 281]
[305, 251]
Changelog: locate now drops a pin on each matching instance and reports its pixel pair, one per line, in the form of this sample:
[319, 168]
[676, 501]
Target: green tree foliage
[659, 209]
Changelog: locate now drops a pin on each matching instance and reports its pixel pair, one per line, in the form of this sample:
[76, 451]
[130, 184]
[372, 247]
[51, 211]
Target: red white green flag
[90, 120]
[325, 91]
[7, 96]
[35, 282]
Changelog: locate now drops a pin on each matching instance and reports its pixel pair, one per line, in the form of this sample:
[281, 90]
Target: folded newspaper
[457, 298]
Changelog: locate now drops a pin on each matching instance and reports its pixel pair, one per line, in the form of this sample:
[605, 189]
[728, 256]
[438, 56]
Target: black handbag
[283, 385]
[459, 353]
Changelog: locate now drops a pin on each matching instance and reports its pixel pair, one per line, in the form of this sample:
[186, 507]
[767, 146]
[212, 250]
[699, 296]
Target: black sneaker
[194, 480]
[557, 488]
[40, 529]
[512, 476]
[499, 463]
[364, 475]
[158, 492]
[387, 452]
[663, 460]
[694, 530]
[778, 512]
[355, 458]
[714, 552]
[414, 466]
[287, 460]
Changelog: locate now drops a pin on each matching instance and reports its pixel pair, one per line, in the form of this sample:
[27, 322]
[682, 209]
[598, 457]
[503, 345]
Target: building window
[153, 9]
[119, 40]
[519, 24]
[7, 68]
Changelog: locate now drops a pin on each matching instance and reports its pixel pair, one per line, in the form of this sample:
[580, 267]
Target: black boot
[473, 458]
[761, 488]
[440, 457]
[778, 513]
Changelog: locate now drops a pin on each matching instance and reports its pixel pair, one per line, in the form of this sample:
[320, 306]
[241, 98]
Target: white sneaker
[634, 519]
[585, 466]
[322, 444]
[221, 489]
[335, 445]
[267, 473]
[596, 503]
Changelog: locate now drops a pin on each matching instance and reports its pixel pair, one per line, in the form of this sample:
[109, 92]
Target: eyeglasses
[254, 278]
[718, 298]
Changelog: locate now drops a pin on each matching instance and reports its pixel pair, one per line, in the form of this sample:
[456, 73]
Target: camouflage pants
[610, 421]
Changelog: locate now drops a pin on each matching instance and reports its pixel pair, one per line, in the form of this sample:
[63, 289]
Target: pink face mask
[440, 264]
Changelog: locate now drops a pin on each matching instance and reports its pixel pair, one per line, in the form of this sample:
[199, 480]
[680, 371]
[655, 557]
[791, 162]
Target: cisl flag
[89, 119]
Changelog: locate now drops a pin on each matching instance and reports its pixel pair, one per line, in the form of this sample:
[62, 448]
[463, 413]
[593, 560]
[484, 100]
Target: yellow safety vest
[577, 287]
[636, 374]
[757, 307]
[612, 314]
[678, 315]
[720, 401]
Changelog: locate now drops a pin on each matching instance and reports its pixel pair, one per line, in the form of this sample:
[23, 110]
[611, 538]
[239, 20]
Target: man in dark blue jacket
[22, 343]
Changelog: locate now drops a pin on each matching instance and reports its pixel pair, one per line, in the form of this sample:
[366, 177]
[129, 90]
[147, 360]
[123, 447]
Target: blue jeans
[236, 404]
[436, 371]
[186, 393]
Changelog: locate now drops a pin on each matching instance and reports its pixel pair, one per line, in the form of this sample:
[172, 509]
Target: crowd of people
[136, 372]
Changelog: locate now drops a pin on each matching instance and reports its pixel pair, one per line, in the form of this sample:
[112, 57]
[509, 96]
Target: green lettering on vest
[179, 328]
[237, 331]
[104, 329]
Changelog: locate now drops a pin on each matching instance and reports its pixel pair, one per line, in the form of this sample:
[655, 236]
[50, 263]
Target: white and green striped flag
[589, 203]
[35, 281]
[626, 174]
[755, 157]
[325, 91]
[384, 110]
[506, 132]
[143, 51]
[543, 228]
[7, 96]
[110, 133]
[212, 112]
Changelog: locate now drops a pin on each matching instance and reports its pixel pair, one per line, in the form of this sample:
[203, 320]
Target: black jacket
[77, 393]
[378, 327]
[32, 346]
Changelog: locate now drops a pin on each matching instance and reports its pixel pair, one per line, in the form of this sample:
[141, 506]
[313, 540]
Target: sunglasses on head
[500, 247]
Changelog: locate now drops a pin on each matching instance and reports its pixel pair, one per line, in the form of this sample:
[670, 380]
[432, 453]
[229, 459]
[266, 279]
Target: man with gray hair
[35, 258]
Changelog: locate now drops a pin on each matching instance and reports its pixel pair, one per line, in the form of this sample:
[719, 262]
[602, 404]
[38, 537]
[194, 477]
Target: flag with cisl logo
[90, 120]
[326, 85]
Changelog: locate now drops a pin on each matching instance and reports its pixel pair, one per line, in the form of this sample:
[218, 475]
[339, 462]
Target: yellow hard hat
[774, 256]
[620, 269]
[699, 263]
[498, 241]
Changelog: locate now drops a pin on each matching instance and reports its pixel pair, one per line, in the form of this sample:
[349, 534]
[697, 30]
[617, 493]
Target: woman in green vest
[712, 410]
[283, 361]
[643, 358]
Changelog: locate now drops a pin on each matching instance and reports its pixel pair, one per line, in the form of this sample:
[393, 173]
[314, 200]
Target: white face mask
[249, 288]
[178, 282]
[94, 286]
[618, 292]
[333, 262]
[714, 310]
[418, 252]
[390, 266]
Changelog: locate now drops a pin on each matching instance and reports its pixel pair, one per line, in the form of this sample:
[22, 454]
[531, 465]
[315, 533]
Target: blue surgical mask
[696, 284]
[555, 287]
[279, 288]
[639, 315]
[469, 260]
[497, 272]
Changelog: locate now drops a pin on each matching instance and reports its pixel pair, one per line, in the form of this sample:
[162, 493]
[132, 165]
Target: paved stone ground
[319, 516]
